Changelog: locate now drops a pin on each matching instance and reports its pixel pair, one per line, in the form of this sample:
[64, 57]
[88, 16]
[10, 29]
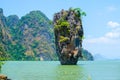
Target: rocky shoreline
[3, 77]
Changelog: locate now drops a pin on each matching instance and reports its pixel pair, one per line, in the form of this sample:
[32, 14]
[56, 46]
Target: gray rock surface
[68, 35]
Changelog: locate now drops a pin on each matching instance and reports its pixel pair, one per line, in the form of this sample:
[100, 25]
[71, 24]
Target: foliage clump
[63, 39]
[3, 54]
[68, 22]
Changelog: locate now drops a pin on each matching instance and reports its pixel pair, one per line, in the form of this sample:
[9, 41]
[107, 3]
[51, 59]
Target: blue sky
[101, 25]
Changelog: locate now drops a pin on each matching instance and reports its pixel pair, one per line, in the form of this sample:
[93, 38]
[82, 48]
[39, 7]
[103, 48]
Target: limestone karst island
[68, 35]
[34, 37]
[59, 40]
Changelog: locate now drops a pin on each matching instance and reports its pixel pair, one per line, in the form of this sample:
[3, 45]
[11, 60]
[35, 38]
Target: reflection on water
[34, 70]
[1, 63]
[52, 70]
[73, 72]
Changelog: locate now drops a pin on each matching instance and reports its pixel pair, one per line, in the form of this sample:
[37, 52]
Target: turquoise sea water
[52, 70]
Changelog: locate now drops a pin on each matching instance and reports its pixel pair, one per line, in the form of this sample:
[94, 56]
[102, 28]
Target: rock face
[29, 38]
[87, 56]
[3, 77]
[68, 35]
[3, 37]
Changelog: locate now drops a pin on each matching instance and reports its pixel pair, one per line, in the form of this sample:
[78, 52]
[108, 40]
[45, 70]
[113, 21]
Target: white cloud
[111, 8]
[111, 37]
[115, 31]
[108, 44]
[108, 38]
[113, 24]
[99, 40]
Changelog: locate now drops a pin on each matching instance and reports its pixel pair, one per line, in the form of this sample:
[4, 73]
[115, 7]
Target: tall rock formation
[31, 37]
[68, 35]
[27, 38]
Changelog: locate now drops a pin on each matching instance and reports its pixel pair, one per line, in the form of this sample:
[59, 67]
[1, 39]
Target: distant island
[29, 38]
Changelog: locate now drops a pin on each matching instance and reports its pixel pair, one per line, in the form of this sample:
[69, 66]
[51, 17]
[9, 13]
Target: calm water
[46, 70]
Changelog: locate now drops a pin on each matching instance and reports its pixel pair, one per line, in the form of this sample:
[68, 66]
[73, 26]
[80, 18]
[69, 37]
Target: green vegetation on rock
[28, 38]
[68, 31]
[1, 63]
[63, 39]
[3, 54]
